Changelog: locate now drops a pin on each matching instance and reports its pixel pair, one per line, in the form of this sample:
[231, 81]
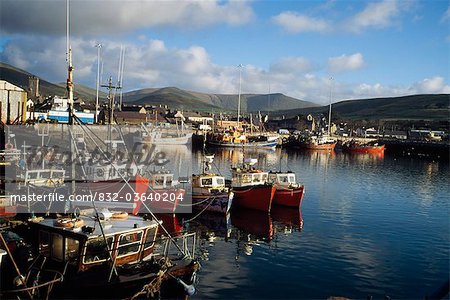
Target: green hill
[413, 107]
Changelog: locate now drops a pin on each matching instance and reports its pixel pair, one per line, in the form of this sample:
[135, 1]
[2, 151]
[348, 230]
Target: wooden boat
[321, 143]
[251, 187]
[109, 258]
[288, 191]
[209, 192]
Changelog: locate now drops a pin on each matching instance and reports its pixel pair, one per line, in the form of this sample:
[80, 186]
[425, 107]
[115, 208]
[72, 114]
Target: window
[256, 177]
[57, 246]
[159, 181]
[246, 179]
[72, 249]
[129, 243]
[206, 181]
[169, 180]
[96, 250]
[283, 179]
[264, 177]
[220, 181]
[44, 243]
[150, 238]
[292, 178]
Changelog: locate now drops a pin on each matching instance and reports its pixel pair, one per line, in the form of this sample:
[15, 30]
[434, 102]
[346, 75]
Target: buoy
[120, 215]
[8, 146]
[69, 223]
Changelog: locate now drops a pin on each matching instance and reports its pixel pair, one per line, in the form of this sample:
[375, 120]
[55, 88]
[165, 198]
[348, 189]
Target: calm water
[372, 226]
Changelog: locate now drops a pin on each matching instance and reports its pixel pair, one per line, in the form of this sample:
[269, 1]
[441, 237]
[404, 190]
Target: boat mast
[99, 46]
[329, 110]
[69, 65]
[239, 96]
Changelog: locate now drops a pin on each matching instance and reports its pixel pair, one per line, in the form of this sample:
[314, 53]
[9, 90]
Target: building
[13, 103]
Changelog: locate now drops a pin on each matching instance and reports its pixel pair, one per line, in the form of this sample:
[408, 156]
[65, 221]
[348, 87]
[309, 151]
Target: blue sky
[369, 48]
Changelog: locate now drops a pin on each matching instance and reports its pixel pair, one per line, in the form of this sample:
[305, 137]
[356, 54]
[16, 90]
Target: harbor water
[372, 226]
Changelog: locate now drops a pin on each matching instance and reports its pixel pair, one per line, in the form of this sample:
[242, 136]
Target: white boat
[155, 136]
[60, 112]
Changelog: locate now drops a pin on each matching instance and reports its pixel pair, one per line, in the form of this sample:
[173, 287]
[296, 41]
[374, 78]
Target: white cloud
[346, 62]
[435, 85]
[115, 17]
[291, 65]
[153, 64]
[294, 22]
[376, 15]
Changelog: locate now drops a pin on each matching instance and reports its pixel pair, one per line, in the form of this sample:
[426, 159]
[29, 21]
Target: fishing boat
[323, 142]
[209, 192]
[235, 139]
[288, 191]
[60, 112]
[155, 135]
[108, 255]
[355, 147]
[251, 187]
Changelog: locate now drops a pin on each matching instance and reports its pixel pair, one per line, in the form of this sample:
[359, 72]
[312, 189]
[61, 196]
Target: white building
[13, 103]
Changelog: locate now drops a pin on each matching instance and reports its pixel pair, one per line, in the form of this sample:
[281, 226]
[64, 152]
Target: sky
[318, 51]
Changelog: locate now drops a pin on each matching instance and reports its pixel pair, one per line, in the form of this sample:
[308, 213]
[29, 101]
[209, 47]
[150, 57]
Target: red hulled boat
[251, 187]
[355, 147]
[288, 191]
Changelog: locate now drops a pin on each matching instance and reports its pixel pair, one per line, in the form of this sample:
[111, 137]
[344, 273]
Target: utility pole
[111, 103]
[240, 66]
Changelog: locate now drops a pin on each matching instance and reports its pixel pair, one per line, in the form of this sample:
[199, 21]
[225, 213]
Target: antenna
[120, 74]
[329, 111]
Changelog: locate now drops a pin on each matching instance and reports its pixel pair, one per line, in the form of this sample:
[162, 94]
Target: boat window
[44, 243]
[112, 172]
[220, 181]
[272, 178]
[159, 180]
[169, 180]
[72, 249]
[246, 178]
[283, 179]
[150, 238]
[207, 181]
[57, 246]
[32, 175]
[96, 250]
[264, 177]
[45, 174]
[129, 243]
[256, 177]
[292, 178]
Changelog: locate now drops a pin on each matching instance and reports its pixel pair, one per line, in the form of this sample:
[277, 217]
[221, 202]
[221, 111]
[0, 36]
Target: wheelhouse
[282, 178]
[248, 178]
[124, 241]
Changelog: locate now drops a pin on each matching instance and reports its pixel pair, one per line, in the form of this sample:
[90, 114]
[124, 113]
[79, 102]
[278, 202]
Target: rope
[197, 203]
[202, 211]
[154, 286]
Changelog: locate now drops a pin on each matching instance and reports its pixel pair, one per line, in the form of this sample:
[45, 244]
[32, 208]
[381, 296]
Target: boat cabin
[43, 177]
[284, 179]
[80, 243]
[161, 180]
[243, 177]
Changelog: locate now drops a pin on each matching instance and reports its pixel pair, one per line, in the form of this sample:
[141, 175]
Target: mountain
[176, 97]
[413, 107]
[20, 77]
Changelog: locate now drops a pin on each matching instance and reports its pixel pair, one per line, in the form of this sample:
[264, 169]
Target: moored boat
[106, 257]
[288, 191]
[355, 147]
[236, 139]
[323, 143]
[251, 187]
[209, 191]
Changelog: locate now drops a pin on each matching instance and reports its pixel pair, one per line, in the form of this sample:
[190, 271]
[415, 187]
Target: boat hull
[321, 147]
[366, 149]
[290, 197]
[265, 145]
[218, 203]
[258, 197]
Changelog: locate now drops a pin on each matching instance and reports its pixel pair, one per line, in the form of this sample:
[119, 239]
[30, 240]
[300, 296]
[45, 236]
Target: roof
[5, 85]
[110, 227]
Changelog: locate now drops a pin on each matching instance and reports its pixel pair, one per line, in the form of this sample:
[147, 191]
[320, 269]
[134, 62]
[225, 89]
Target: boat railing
[186, 242]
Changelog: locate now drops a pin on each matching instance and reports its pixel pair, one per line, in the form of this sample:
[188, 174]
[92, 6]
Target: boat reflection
[287, 216]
